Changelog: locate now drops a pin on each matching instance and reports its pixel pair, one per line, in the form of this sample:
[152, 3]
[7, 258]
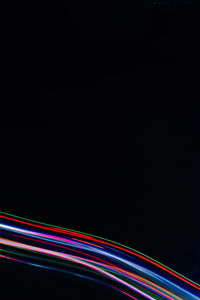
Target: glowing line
[103, 240]
[116, 264]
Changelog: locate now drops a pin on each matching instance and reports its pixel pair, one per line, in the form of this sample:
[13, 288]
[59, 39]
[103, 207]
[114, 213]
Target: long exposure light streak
[122, 268]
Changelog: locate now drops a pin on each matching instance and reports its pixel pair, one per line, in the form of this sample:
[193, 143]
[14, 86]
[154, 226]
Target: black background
[111, 153]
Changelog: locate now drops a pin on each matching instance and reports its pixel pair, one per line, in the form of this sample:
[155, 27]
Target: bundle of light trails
[122, 268]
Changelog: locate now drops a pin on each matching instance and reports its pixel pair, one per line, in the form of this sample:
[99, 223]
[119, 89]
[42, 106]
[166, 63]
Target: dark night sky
[111, 153]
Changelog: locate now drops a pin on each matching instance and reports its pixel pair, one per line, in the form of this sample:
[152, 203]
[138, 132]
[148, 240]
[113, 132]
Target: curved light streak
[124, 269]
